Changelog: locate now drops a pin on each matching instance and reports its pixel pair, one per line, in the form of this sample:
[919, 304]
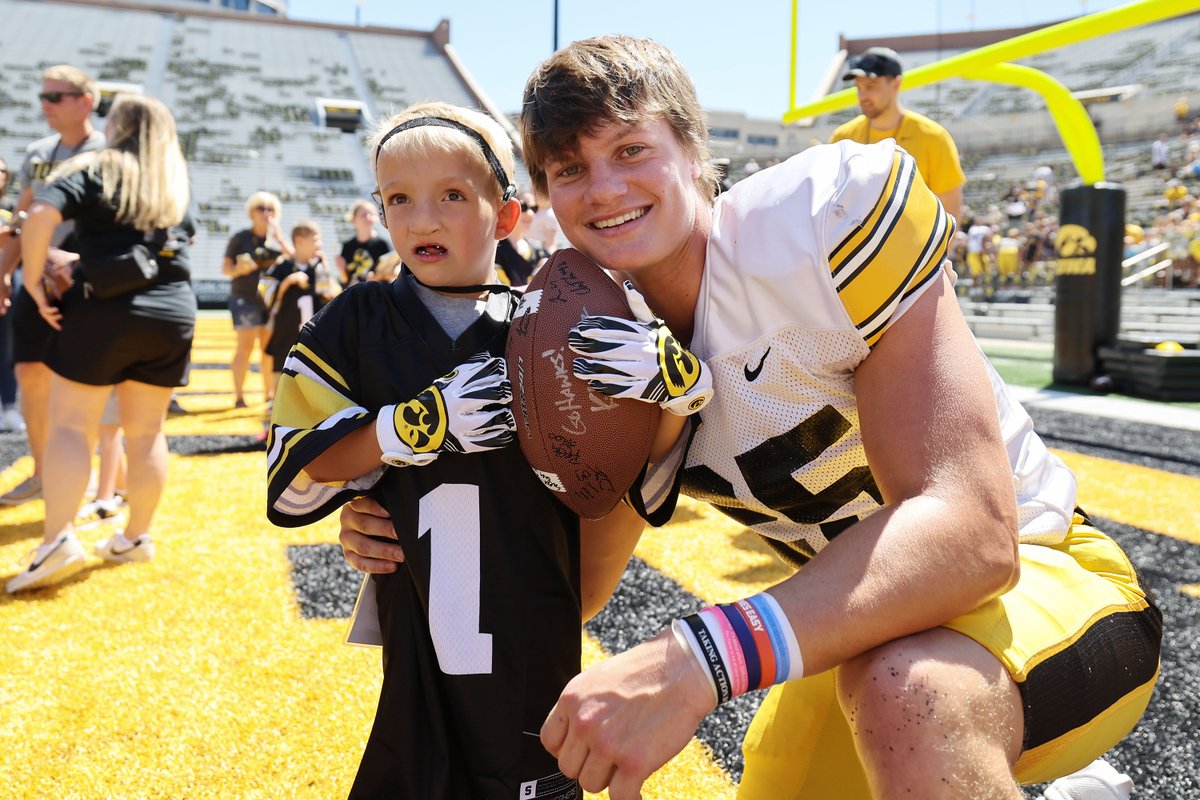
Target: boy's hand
[639, 358]
[463, 412]
[298, 278]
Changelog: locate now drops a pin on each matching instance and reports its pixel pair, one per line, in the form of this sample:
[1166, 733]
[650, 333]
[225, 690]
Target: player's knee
[928, 691]
[892, 695]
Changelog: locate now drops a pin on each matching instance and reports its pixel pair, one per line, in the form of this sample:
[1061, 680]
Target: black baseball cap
[874, 62]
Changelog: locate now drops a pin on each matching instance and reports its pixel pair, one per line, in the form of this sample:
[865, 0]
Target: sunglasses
[528, 206]
[56, 97]
[264, 208]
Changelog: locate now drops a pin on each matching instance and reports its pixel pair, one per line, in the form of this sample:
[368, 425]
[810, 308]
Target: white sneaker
[120, 550]
[1096, 781]
[99, 512]
[49, 563]
[11, 421]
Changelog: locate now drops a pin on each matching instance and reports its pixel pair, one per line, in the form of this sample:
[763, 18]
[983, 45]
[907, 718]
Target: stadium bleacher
[245, 91]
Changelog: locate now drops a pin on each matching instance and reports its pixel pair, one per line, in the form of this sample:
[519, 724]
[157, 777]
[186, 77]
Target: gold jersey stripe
[302, 351]
[912, 249]
[845, 251]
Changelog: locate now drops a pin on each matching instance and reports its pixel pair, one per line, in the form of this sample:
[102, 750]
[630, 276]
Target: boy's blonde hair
[421, 141]
[142, 169]
[80, 81]
[263, 199]
[306, 227]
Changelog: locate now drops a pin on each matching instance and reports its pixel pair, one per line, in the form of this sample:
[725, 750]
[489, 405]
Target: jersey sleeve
[315, 406]
[886, 236]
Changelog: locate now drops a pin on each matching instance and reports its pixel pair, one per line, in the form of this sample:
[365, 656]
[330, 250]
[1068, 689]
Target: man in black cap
[876, 73]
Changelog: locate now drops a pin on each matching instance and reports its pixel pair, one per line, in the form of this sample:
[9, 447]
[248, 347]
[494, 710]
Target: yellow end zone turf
[195, 676]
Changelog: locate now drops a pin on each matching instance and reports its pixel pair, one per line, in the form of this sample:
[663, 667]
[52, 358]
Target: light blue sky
[737, 52]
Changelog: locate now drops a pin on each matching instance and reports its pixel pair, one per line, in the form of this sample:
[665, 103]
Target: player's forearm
[904, 569]
[606, 545]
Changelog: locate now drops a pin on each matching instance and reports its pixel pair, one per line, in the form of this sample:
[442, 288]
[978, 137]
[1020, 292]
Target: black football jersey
[481, 624]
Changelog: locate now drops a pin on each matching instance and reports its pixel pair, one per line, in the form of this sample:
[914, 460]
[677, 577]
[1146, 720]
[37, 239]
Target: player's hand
[463, 412]
[364, 522]
[621, 720]
[639, 358]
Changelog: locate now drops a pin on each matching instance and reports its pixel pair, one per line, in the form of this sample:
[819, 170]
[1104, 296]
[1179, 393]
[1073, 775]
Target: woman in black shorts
[133, 192]
[247, 256]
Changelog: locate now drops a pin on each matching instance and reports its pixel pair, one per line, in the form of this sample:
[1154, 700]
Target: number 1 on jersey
[450, 515]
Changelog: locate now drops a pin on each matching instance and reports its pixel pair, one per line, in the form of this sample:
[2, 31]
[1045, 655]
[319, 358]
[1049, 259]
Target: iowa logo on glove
[421, 422]
[680, 369]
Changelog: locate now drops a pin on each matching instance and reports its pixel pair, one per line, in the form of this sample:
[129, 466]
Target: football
[586, 448]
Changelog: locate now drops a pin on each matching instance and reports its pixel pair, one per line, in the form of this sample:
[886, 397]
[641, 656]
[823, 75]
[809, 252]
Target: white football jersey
[808, 264]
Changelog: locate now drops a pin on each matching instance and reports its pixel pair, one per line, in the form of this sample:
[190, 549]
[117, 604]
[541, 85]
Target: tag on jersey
[363, 629]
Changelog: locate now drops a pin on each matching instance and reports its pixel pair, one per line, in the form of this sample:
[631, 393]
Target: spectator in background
[247, 256]
[134, 192]
[388, 268]
[877, 74]
[295, 289]
[1182, 113]
[516, 255]
[1008, 256]
[1160, 153]
[68, 97]
[10, 418]
[544, 230]
[362, 251]
[979, 241]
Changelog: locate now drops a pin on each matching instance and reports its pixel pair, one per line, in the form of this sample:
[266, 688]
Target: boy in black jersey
[399, 390]
[294, 290]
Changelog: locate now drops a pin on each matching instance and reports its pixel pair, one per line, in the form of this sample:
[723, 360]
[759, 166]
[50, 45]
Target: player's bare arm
[606, 545]
[932, 440]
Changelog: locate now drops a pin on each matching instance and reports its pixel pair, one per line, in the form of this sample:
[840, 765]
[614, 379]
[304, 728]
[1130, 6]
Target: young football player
[954, 624]
[398, 390]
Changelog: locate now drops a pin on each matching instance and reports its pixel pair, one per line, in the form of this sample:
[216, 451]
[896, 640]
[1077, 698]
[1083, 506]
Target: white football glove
[640, 359]
[463, 412]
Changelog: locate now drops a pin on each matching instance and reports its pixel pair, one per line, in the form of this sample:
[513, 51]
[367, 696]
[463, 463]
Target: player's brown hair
[619, 79]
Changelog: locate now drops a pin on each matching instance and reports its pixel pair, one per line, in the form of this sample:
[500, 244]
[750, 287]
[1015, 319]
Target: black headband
[441, 122]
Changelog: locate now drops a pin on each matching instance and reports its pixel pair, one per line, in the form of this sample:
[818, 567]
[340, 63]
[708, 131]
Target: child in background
[399, 390]
[362, 251]
[294, 290]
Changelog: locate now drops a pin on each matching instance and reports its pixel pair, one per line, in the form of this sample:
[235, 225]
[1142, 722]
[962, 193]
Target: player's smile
[620, 219]
[626, 195]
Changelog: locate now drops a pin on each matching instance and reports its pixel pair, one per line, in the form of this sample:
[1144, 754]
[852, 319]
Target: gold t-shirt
[926, 141]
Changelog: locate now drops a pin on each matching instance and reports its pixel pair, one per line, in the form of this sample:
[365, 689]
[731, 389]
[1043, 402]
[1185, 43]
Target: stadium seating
[245, 95]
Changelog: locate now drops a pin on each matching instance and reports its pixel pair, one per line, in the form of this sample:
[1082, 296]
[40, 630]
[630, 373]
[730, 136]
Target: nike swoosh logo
[752, 374]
